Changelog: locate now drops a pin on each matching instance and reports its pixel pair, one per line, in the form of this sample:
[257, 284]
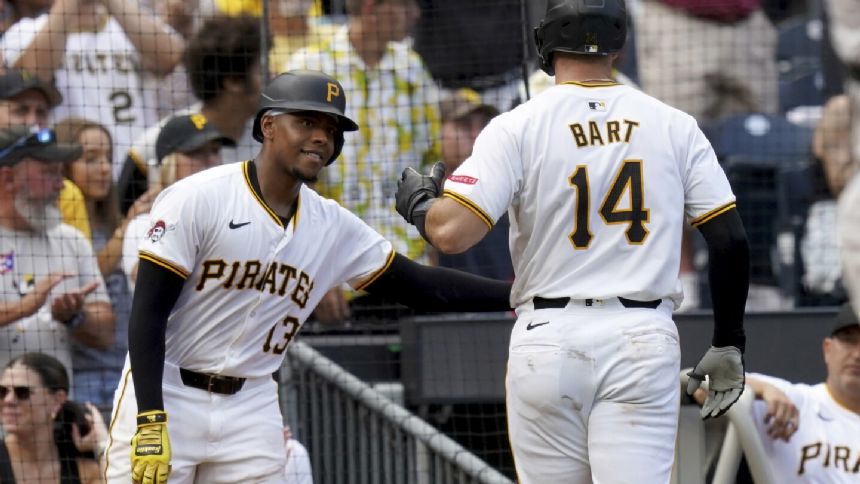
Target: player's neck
[279, 189]
[582, 72]
[843, 398]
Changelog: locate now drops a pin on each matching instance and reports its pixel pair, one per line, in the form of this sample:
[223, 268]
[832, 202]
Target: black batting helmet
[304, 90]
[588, 27]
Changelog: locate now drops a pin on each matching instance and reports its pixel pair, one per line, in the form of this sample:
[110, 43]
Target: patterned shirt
[396, 106]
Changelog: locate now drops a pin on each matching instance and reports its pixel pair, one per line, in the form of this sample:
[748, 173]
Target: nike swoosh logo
[236, 226]
[532, 326]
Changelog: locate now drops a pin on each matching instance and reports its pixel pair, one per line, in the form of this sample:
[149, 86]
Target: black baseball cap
[845, 318]
[14, 82]
[19, 142]
[186, 133]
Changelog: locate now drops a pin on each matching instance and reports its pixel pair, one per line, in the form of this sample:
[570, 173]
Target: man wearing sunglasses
[50, 286]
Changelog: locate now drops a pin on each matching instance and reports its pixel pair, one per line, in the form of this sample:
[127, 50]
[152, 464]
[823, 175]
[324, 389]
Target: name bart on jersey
[250, 274]
[593, 133]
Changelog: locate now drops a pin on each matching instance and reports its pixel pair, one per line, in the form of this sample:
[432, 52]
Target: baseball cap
[14, 82]
[844, 318]
[463, 102]
[19, 142]
[186, 133]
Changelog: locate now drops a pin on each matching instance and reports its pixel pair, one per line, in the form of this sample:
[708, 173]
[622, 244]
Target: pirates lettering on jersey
[608, 132]
[838, 458]
[251, 275]
[103, 62]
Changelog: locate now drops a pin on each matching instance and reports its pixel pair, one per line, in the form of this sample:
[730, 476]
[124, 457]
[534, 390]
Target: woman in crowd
[97, 372]
[48, 438]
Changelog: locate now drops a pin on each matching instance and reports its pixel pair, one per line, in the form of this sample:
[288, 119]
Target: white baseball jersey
[99, 79]
[251, 281]
[826, 447]
[598, 179]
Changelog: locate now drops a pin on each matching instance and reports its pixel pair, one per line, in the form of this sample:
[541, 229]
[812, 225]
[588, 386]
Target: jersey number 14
[628, 181]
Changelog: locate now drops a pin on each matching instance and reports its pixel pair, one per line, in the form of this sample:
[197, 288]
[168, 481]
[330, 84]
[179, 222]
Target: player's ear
[267, 125]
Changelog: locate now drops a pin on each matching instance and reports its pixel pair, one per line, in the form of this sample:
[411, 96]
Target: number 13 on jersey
[627, 184]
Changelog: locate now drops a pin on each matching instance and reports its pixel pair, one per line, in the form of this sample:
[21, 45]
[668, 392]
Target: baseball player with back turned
[236, 259]
[597, 179]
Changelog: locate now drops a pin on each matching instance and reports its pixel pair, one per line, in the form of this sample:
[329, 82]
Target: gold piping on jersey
[370, 280]
[113, 419]
[149, 256]
[472, 206]
[593, 84]
[707, 216]
[257, 196]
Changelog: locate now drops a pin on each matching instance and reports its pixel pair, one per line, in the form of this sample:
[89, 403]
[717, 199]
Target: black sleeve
[132, 183]
[439, 289]
[155, 294]
[729, 276]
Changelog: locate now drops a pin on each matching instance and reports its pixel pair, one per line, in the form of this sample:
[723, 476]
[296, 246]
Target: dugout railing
[356, 434]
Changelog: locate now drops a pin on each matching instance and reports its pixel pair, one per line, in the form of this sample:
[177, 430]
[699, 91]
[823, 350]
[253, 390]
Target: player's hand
[415, 191]
[332, 308]
[150, 449]
[724, 368]
[782, 415]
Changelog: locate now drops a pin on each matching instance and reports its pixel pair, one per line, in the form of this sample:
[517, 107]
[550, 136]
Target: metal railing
[354, 434]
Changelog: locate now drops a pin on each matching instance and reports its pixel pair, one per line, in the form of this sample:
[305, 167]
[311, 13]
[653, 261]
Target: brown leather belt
[226, 385]
[561, 302]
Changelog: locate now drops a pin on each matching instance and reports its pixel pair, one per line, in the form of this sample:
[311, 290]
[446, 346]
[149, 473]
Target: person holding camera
[48, 437]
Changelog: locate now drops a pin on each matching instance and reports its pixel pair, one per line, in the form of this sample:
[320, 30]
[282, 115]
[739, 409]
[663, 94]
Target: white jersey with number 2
[598, 180]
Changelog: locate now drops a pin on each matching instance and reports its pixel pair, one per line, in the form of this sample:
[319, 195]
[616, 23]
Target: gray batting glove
[725, 368]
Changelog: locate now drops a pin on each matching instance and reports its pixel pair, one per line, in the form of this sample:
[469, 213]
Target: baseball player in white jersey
[597, 179]
[236, 259]
[811, 433]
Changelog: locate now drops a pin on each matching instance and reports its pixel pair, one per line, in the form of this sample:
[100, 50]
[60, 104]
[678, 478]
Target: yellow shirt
[74, 209]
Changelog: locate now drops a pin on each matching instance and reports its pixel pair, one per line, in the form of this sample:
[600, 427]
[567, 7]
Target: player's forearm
[452, 228]
[45, 53]
[440, 289]
[159, 46]
[728, 274]
[97, 330]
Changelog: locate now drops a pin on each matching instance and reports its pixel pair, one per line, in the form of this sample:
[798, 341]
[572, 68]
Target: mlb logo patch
[7, 262]
[597, 106]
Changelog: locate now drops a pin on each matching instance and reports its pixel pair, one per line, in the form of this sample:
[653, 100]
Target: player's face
[842, 356]
[92, 171]
[28, 108]
[207, 156]
[36, 406]
[303, 142]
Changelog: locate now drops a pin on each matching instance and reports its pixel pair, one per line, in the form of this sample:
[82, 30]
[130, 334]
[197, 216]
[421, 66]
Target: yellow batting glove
[150, 449]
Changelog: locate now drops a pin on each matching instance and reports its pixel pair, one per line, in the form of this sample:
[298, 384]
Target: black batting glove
[416, 192]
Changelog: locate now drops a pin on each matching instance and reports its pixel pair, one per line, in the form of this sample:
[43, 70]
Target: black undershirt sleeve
[155, 293]
[439, 289]
[729, 276]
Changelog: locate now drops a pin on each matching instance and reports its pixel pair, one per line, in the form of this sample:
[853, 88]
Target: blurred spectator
[223, 65]
[844, 18]
[11, 11]
[298, 468]
[476, 44]
[107, 46]
[26, 100]
[709, 59]
[391, 92]
[396, 101]
[48, 438]
[186, 144]
[172, 91]
[51, 288]
[848, 238]
[463, 117]
[831, 145]
[97, 371]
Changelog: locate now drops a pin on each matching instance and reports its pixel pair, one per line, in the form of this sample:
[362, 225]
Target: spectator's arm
[11, 311]
[45, 53]
[159, 46]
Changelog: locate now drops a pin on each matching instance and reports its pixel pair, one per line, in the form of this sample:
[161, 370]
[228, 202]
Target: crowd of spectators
[141, 93]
